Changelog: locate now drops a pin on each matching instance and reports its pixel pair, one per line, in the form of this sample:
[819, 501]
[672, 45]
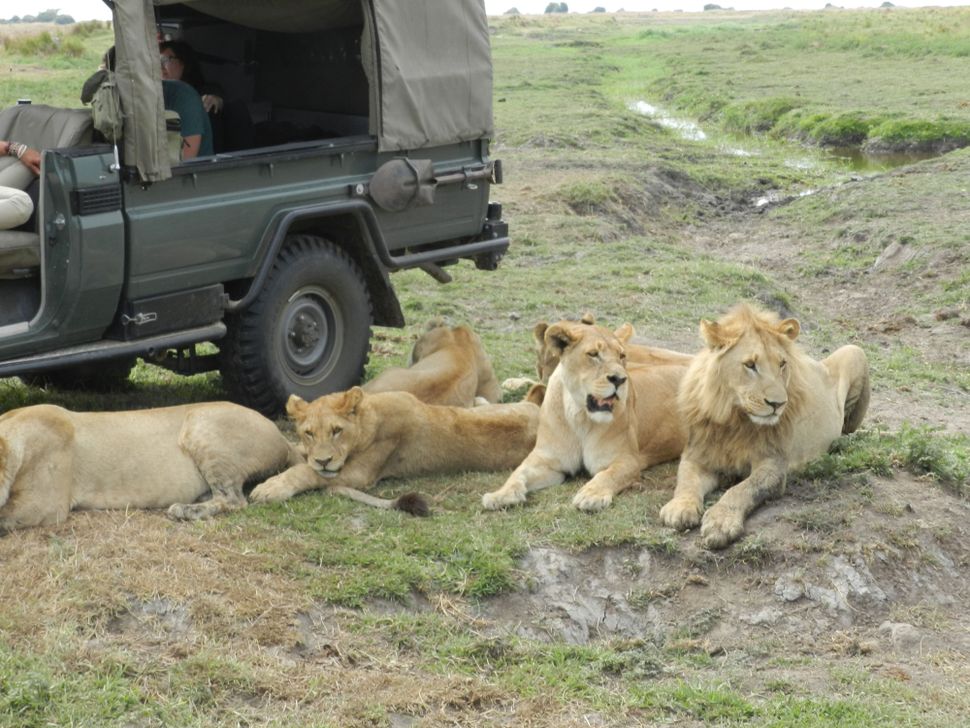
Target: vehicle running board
[148, 347]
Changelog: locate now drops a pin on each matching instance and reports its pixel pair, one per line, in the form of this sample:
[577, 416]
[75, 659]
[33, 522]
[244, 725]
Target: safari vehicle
[366, 151]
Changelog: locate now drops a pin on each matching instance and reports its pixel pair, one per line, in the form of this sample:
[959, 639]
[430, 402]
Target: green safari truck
[353, 142]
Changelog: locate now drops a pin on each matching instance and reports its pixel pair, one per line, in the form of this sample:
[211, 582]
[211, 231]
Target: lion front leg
[723, 523]
[599, 492]
[287, 484]
[694, 482]
[535, 473]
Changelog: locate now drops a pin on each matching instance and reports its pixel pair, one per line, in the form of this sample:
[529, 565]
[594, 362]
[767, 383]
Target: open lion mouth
[595, 404]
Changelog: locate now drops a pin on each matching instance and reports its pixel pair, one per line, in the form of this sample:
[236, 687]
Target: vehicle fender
[367, 252]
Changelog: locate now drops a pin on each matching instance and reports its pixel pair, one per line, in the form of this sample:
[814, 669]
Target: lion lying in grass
[53, 461]
[354, 439]
[600, 415]
[448, 366]
[756, 407]
[547, 358]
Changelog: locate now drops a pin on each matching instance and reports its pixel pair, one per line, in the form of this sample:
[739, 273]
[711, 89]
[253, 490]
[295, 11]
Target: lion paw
[589, 499]
[273, 490]
[502, 499]
[721, 526]
[681, 513]
[188, 511]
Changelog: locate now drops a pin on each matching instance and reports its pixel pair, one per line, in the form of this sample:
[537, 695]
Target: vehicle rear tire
[101, 376]
[307, 333]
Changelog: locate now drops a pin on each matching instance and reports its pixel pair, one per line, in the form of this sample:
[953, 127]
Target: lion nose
[776, 405]
[323, 462]
[616, 380]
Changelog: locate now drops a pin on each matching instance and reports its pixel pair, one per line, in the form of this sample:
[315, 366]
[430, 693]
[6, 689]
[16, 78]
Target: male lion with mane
[354, 439]
[756, 407]
[599, 415]
[448, 366]
[53, 461]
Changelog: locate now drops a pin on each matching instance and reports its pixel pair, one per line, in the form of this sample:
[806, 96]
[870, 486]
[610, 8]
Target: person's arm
[30, 157]
[190, 146]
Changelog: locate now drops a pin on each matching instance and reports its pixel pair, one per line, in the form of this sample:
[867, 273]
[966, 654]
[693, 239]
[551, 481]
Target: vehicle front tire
[307, 333]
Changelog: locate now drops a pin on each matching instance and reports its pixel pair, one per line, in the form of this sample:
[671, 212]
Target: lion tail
[413, 503]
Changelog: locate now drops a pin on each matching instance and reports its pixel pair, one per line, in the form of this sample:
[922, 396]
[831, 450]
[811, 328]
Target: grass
[318, 612]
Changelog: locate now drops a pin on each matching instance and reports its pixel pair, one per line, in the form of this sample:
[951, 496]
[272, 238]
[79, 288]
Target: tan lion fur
[756, 406]
[547, 357]
[448, 366]
[354, 439]
[592, 419]
[53, 461]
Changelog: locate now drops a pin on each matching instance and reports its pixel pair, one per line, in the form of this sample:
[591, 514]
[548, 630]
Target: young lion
[593, 419]
[547, 358]
[354, 439]
[53, 461]
[756, 407]
[448, 366]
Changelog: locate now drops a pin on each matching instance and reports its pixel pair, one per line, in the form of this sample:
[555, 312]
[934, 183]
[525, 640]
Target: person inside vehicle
[17, 206]
[178, 96]
[196, 131]
[179, 63]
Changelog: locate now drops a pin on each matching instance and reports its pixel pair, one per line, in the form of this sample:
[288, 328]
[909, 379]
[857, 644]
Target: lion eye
[593, 354]
[336, 431]
[753, 366]
[784, 363]
[308, 434]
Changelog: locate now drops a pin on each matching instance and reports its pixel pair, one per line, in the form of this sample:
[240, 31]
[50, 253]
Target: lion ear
[713, 334]
[790, 328]
[296, 407]
[352, 398]
[624, 333]
[539, 331]
[559, 337]
[588, 319]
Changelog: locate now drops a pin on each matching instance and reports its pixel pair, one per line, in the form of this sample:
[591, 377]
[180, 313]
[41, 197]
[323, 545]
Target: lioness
[547, 358]
[593, 419]
[53, 461]
[448, 366]
[755, 407]
[354, 439]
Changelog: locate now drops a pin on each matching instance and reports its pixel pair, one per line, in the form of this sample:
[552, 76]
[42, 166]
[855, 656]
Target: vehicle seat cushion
[41, 127]
[19, 253]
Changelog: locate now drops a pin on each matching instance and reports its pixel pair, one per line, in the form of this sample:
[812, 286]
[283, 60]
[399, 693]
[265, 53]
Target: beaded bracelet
[15, 149]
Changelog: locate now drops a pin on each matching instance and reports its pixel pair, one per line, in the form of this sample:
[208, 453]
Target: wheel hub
[309, 329]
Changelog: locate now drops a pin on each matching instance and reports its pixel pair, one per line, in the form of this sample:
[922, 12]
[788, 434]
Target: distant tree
[28, 19]
[887, 4]
[557, 8]
[563, 8]
[599, 9]
[48, 16]
[64, 20]
[712, 6]
[511, 11]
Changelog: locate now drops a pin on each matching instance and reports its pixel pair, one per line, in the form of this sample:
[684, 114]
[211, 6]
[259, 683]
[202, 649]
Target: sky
[95, 9]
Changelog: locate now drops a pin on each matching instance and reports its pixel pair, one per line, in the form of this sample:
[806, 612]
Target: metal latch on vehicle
[138, 319]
